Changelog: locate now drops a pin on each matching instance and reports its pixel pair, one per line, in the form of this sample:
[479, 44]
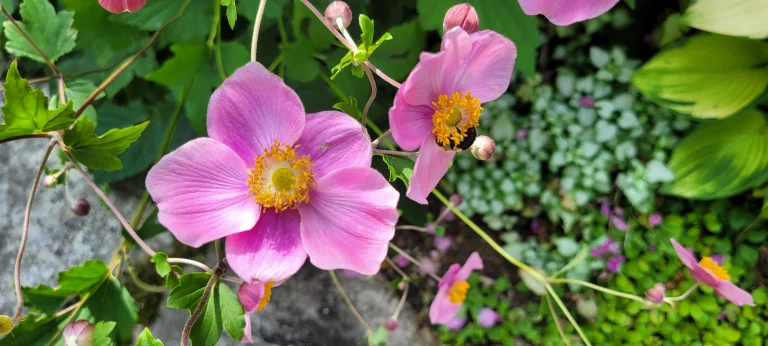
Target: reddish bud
[390, 324]
[656, 293]
[81, 207]
[339, 9]
[455, 199]
[483, 148]
[461, 15]
[120, 6]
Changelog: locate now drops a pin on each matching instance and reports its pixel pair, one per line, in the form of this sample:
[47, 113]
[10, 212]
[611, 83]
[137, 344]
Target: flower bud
[487, 318]
[401, 261]
[81, 207]
[461, 15]
[483, 148]
[456, 323]
[455, 199]
[391, 324]
[120, 6]
[6, 325]
[654, 220]
[656, 293]
[339, 9]
[49, 181]
[78, 333]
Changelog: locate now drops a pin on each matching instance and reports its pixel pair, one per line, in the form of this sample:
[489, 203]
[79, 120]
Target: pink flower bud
[254, 297]
[78, 333]
[587, 102]
[456, 323]
[391, 324]
[520, 134]
[81, 207]
[656, 293]
[455, 199]
[654, 220]
[483, 148]
[461, 15]
[49, 181]
[339, 9]
[401, 261]
[487, 318]
[442, 243]
[119, 6]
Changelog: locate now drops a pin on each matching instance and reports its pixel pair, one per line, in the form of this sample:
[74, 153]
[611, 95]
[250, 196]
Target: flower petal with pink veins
[474, 262]
[431, 165]
[567, 12]
[250, 295]
[252, 109]
[410, 124]
[334, 140]
[349, 220]
[201, 193]
[487, 69]
[685, 254]
[120, 6]
[271, 251]
[441, 311]
[734, 294]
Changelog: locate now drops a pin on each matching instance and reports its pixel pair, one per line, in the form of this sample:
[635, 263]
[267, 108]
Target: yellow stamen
[453, 116]
[267, 294]
[458, 292]
[281, 179]
[715, 269]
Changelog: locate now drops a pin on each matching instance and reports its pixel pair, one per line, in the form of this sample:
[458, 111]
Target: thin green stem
[557, 321]
[275, 62]
[220, 58]
[368, 330]
[281, 29]
[598, 288]
[143, 285]
[567, 314]
[71, 316]
[216, 24]
[683, 296]
[395, 152]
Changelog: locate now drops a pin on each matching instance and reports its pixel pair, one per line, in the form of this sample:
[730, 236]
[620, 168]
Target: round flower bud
[339, 9]
[391, 324]
[78, 333]
[6, 325]
[656, 293]
[49, 181]
[81, 207]
[455, 199]
[487, 318]
[461, 15]
[483, 148]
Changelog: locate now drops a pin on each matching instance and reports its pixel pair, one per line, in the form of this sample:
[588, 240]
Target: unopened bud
[6, 325]
[455, 199]
[78, 333]
[487, 318]
[49, 181]
[461, 15]
[483, 148]
[656, 293]
[81, 207]
[391, 324]
[339, 9]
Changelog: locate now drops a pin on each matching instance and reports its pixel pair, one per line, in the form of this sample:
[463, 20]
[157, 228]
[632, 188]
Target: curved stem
[25, 232]
[189, 262]
[567, 314]
[684, 295]
[412, 260]
[598, 288]
[382, 137]
[395, 153]
[145, 286]
[413, 228]
[350, 305]
[382, 75]
[557, 321]
[372, 97]
[256, 27]
[39, 135]
[196, 314]
[401, 303]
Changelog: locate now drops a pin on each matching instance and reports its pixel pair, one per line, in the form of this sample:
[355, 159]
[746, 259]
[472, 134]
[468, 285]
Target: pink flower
[487, 318]
[120, 6]
[401, 261]
[442, 243]
[567, 12]
[456, 323]
[279, 184]
[520, 134]
[710, 273]
[253, 297]
[452, 290]
[438, 107]
[587, 102]
[463, 16]
[78, 333]
[619, 223]
[654, 220]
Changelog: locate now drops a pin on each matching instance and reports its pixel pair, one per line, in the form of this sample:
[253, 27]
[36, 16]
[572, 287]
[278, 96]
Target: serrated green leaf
[78, 91]
[26, 110]
[232, 312]
[146, 339]
[400, 167]
[160, 259]
[51, 32]
[733, 18]
[721, 158]
[97, 34]
[379, 337]
[189, 291]
[112, 302]
[100, 152]
[366, 28]
[349, 107]
[231, 12]
[188, 27]
[709, 76]
[101, 333]
[82, 278]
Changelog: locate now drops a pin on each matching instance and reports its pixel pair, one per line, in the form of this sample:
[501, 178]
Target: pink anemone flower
[567, 12]
[452, 290]
[120, 6]
[710, 273]
[438, 107]
[279, 184]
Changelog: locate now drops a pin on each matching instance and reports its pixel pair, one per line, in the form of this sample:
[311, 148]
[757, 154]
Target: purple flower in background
[654, 220]
[535, 226]
[401, 261]
[567, 12]
[614, 263]
[721, 316]
[428, 266]
[520, 134]
[443, 243]
[434, 254]
[587, 102]
[605, 208]
[456, 323]
[652, 248]
[619, 223]
[487, 318]
[609, 251]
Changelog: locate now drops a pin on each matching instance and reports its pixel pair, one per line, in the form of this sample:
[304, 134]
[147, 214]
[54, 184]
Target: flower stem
[557, 321]
[39, 135]
[412, 260]
[256, 27]
[598, 288]
[413, 228]
[203, 300]
[351, 306]
[25, 233]
[383, 136]
[143, 285]
[684, 295]
[189, 262]
[567, 314]
[395, 152]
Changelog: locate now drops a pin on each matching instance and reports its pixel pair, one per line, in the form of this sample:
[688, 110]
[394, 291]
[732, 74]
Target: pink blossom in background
[587, 102]
[709, 272]
[487, 318]
[401, 261]
[120, 6]
[434, 254]
[78, 333]
[605, 208]
[443, 243]
[452, 290]
[614, 263]
[253, 297]
[654, 220]
[440, 101]
[521, 134]
[567, 12]
[428, 266]
[619, 223]
[280, 185]
[456, 323]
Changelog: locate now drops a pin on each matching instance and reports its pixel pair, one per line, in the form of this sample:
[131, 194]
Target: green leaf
[231, 12]
[349, 107]
[721, 158]
[234, 55]
[709, 76]
[78, 91]
[100, 152]
[146, 339]
[379, 337]
[189, 291]
[171, 281]
[51, 32]
[300, 65]
[189, 27]
[151, 227]
[233, 313]
[112, 302]
[156, 13]
[566, 246]
[162, 266]
[399, 59]
[101, 333]
[26, 110]
[400, 167]
[97, 34]
[207, 328]
[75, 280]
[733, 18]
[366, 28]
[33, 332]
[503, 16]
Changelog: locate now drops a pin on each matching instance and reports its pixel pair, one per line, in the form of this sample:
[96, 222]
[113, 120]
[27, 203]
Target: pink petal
[250, 295]
[685, 254]
[201, 193]
[247, 338]
[410, 124]
[702, 275]
[334, 140]
[456, 323]
[450, 276]
[120, 6]
[349, 220]
[252, 109]
[487, 318]
[567, 12]
[474, 262]
[442, 310]
[455, 47]
[431, 166]
[271, 251]
[733, 293]
[487, 69]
